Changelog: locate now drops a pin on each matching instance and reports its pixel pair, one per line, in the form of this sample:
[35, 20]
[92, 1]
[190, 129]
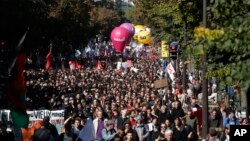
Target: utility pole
[184, 69]
[177, 63]
[204, 81]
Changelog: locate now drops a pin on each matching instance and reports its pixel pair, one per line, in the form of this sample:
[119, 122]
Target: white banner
[40, 114]
[170, 71]
[56, 117]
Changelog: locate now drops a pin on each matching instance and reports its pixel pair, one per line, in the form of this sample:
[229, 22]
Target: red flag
[16, 94]
[99, 65]
[77, 65]
[74, 65]
[48, 60]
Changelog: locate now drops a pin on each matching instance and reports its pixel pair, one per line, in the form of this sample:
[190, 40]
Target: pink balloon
[129, 27]
[119, 37]
[131, 30]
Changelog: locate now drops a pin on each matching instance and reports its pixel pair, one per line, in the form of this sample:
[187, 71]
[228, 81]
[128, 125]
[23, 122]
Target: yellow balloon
[138, 28]
[144, 37]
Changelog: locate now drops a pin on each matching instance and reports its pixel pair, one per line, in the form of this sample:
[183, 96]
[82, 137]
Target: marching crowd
[124, 105]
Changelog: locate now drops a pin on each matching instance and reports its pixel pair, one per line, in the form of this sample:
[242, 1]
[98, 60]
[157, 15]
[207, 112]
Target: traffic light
[173, 49]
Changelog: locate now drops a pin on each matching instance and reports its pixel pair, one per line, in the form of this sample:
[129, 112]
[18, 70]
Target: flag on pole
[78, 66]
[17, 88]
[74, 65]
[170, 70]
[164, 65]
[16, 94]
[87, 132]
[99, 65]
[48, 60]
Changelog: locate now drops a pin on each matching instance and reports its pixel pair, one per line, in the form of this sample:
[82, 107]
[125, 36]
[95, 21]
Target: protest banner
[171, 71]
[56, 117]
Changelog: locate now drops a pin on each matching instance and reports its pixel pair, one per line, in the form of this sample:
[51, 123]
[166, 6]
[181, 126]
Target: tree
[169, 19]
[57, 20]
[135, 18]
[103, 20]
[227, 42]
[70, 18]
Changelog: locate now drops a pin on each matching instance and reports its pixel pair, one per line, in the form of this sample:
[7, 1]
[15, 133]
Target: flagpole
[17, 51]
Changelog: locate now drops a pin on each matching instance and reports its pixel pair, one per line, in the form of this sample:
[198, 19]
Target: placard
[161, 83]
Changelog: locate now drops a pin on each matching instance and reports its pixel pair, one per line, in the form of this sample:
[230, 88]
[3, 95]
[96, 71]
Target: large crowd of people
[124, 104]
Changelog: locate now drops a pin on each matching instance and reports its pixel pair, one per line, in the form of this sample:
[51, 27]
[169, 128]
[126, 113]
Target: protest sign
[56, 117]
[161, 83]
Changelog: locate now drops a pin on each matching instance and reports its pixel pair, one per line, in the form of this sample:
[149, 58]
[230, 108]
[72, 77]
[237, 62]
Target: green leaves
[169, 19]
[229, 55]
[229, 80]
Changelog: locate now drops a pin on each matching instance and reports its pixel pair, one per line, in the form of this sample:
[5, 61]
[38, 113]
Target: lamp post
[204, 81]
[184, 69]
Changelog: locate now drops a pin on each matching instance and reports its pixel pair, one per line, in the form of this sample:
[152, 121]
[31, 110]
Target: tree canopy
[227, 41]
[71, 21]
[170, 20]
